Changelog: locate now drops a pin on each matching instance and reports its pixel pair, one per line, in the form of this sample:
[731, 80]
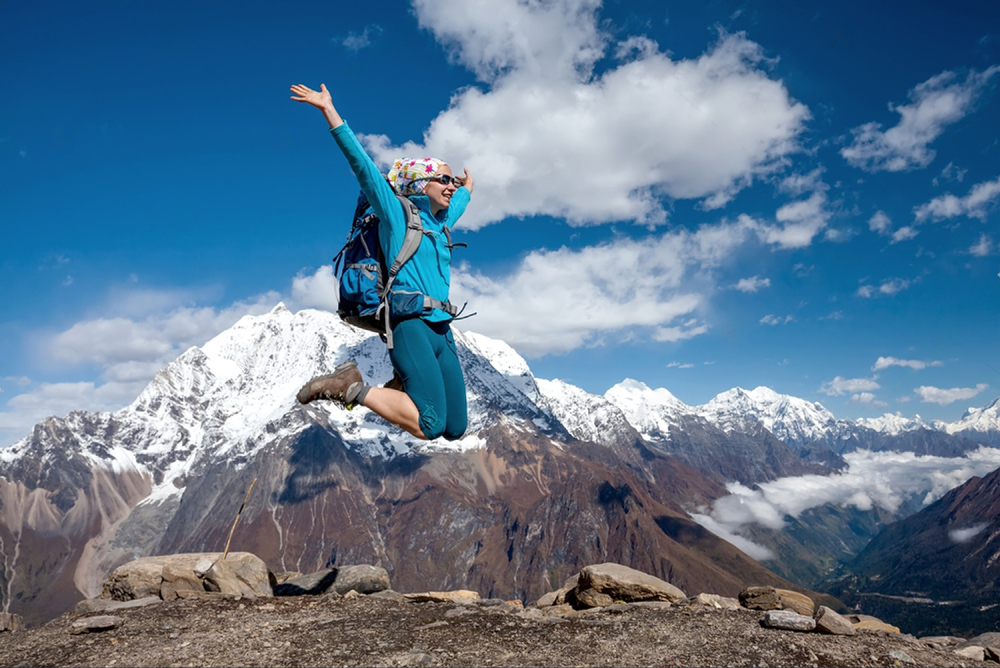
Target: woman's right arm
[379, 193]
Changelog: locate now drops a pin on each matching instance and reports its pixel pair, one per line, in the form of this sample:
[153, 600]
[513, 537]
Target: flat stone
[829, 621]
[626, 584]
[793, 600]
[715, 601]
[867, 623]
[94, 624]
[457, 596]
[547, 600]
[104, 605]
[389, 595]
[937, 642]
[363, 579]
[312, 584]
[11, 622]
[651, 605]
[974, 652]
[760, 598]
[788, 619]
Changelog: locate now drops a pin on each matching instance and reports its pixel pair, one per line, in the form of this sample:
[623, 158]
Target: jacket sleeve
[456, 207]
[373, 184]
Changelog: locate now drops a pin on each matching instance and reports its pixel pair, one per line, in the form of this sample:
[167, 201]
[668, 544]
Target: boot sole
[303, 396]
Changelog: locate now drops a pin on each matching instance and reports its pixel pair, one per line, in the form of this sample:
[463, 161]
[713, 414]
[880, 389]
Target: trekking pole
[240, 511]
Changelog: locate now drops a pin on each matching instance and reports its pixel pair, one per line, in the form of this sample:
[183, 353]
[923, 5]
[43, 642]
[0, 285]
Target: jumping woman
[432, 402]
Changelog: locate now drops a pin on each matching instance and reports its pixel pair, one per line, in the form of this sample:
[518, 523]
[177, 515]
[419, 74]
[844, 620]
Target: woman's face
[438, 193]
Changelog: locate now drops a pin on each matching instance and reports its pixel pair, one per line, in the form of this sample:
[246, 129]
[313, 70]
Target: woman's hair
[409, 175]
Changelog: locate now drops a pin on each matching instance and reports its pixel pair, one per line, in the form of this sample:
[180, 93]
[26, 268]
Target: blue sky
[696, 195]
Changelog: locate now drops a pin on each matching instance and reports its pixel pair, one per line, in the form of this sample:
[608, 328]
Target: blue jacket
[429, 271]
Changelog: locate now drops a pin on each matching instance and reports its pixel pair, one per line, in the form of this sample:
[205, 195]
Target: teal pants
[425, 358]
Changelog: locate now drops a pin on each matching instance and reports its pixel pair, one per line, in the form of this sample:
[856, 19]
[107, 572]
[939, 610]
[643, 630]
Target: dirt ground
[368, 631]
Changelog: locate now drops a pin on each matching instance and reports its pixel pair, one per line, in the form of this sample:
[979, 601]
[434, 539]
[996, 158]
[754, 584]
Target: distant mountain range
[547, 478]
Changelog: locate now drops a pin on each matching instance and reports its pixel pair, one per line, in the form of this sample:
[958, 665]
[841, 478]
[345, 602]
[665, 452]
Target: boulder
[457, 596]
[622, 583]
[558, 597]
[793, 600]
[788, 619]
[760, 598]
[993, 654]
[363, 579]
[939, 642]
[94, 624]
[176, 576]
[715, 601]
[991, 639]
[11, 622]
[311, 584]
[591, 598]
[829, 621]
[974, 652]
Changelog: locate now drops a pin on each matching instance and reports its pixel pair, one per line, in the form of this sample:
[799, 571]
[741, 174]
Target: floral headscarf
[408, 175]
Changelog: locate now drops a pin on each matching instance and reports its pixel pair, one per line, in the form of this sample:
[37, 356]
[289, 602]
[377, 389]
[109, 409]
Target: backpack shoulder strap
[411, 240]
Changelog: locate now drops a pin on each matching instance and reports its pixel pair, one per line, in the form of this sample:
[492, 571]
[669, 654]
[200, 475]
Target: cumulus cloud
[942, 397]
[752, 284]
[976, 204]
[934, 105]
[547, 135]
[355, 42]
[983, 247]
[867, 399]
[320, 290]
[127, 351]
[839, 386]
[918, 365]
[880, 223]
[771, 319]
[883, 479]
[888, 288]
[904, 233]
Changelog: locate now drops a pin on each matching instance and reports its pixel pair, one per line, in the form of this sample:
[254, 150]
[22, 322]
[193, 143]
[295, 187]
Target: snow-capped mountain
[793, 420]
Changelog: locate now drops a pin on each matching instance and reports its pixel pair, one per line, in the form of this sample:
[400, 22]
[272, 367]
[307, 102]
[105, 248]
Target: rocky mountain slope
[509, 510]
[547, 477]
[937, 571]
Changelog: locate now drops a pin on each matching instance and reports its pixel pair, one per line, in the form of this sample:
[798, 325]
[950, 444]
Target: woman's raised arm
[320, 99]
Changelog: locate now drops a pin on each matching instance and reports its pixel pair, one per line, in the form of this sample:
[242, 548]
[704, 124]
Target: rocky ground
[384, 630]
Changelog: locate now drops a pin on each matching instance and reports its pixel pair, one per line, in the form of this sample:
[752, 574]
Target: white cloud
[839, 386]
[883, 479]
[976, 204]
[886, 362]
[889, 287]
[800, 184]
[355, 42]
[880, 223]
[678, 365]
[983, 247]
[320, 290]
[771, 319]
[967, 534]
[545, 135]
[752, 284]
[867, 399]
[934, 395]
[750, 548]
[802, 220]
[904, 233]
[935, 104]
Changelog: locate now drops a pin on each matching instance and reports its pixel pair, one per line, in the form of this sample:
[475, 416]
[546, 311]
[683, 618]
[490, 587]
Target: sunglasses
[443, 179]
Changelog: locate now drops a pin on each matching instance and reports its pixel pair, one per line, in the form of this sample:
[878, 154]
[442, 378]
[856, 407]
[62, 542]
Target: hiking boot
[343, 386]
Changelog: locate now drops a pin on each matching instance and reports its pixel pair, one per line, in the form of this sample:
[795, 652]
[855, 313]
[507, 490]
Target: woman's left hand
[468, 181]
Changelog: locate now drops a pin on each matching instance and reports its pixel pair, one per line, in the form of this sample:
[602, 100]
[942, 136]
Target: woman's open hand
[467, 181]
[320, 99]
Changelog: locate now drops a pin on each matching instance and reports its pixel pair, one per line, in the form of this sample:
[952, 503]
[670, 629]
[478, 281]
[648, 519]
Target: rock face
[168, 576]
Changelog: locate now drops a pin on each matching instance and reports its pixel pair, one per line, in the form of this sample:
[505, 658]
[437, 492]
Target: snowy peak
[791, 419]
[651, 412]
[894, 425]
[983, 420]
